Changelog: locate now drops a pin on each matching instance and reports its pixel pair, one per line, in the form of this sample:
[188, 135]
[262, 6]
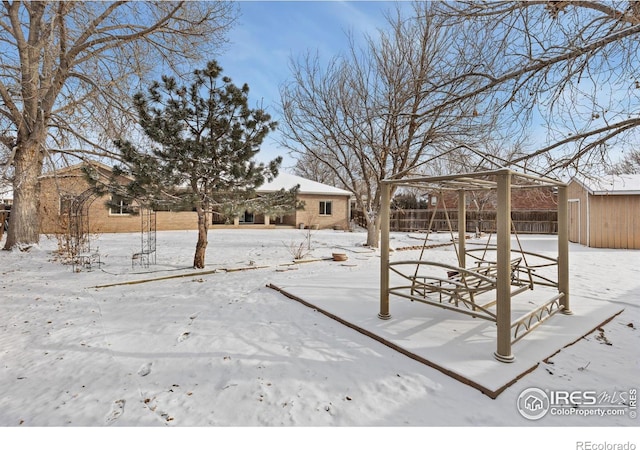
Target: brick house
[64, 186]
[325, 206]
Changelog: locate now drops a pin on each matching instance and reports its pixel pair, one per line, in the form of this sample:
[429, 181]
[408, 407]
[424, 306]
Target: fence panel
[410, 220]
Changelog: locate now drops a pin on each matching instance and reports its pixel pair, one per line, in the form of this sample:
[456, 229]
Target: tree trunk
[373, 232]
[201, 246]
[24, 220]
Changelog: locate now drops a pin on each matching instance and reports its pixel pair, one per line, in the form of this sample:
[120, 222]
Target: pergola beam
[471, 181]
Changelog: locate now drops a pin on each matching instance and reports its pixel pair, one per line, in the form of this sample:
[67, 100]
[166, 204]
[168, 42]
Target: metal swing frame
[507, 276]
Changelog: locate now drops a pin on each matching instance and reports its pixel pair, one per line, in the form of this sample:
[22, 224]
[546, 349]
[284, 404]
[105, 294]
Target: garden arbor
[484, 289]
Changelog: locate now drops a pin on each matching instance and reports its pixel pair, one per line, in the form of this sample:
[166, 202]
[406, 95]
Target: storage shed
[605, 212]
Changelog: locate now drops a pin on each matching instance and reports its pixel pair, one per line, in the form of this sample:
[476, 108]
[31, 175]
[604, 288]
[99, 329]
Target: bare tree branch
[567, 67]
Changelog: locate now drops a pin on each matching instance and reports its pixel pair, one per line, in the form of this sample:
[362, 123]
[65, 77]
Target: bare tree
[630, 164]
[312, 168]
[67, 71]
[568, 76]
[361, 115]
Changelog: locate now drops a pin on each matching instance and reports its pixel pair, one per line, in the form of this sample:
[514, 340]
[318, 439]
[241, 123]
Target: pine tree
[205, 138]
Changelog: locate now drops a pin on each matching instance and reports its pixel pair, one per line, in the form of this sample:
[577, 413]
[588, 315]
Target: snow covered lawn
[219, 349]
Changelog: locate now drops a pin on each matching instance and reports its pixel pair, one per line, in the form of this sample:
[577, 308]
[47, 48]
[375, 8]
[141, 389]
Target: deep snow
[219, 350]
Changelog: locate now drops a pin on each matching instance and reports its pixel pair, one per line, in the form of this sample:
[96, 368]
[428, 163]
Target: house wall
[100, 219]
[289, 220]
[310, 215]
[51, 190]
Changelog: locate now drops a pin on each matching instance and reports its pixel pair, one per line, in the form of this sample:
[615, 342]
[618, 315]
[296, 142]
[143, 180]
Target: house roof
[287, 181]
[612, 185]
[74, 170]
[282, 181]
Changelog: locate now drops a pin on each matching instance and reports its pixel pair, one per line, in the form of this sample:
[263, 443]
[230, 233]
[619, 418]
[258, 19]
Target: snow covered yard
[222, 350]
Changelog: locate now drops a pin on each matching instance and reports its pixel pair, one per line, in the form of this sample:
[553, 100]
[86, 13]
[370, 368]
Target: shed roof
[287, 181]
[628, 184]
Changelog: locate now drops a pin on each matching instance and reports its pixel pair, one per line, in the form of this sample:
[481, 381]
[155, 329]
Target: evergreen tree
[204, 140]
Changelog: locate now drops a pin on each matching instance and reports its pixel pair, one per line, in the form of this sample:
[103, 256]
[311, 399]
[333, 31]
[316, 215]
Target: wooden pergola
[500, 276]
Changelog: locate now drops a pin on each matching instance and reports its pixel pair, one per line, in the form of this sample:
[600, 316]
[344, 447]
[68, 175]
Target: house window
[325, 208]
[119, 206]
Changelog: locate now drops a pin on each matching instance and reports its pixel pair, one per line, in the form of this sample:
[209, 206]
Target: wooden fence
[538, 222]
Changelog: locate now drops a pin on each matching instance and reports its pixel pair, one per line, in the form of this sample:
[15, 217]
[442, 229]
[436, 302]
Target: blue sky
[269, 33]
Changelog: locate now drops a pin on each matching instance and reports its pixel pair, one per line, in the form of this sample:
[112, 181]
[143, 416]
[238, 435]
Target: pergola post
[462, 228]
[503, 279]
[563, 248]
[384, 251]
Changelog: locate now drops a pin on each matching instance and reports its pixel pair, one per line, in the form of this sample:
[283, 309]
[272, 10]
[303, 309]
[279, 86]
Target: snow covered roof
[612, 184]
[287, 181]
